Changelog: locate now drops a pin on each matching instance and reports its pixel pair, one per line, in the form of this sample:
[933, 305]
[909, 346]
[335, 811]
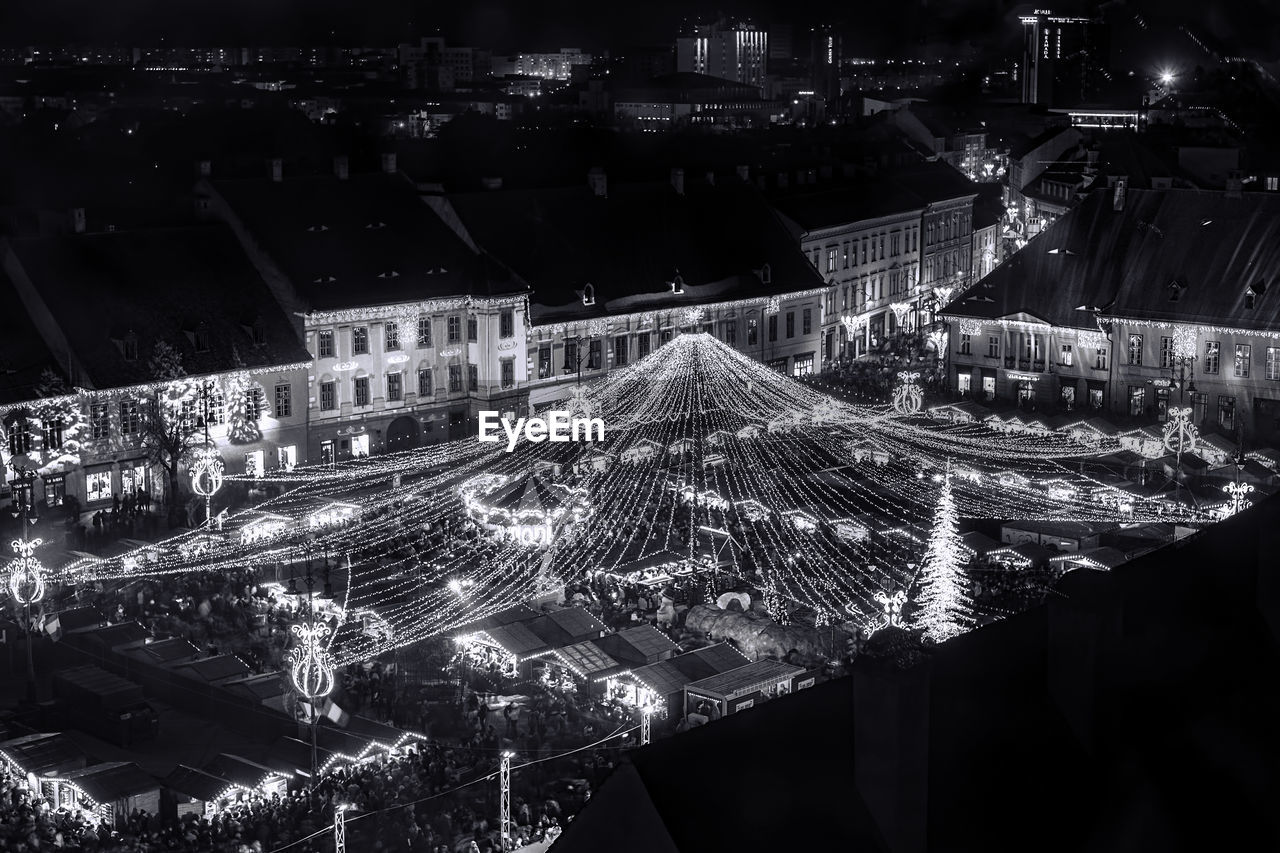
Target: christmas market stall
[108, 792]
[1104, 559]
[188, 791]
[580, 665]
[503, 651]
[729, 692]
[241, 774]
[40, 757]
[638, 646]
[659, 685]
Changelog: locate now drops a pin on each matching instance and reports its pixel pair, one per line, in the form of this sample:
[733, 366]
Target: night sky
[514, 24]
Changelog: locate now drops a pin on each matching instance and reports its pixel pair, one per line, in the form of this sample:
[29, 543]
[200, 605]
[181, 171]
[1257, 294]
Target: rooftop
[111, 781]
[1169, 255]
[157, 285]
[902, 190]
[369, 239]
[632, 243]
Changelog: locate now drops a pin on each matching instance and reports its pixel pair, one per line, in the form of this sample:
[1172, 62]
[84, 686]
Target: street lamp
[26, 575]
[577, 351]
[207, 467]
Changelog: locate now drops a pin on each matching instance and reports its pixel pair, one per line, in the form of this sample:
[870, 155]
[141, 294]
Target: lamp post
[26, 575]
[646, 721]
[577, 351]
[340, 828]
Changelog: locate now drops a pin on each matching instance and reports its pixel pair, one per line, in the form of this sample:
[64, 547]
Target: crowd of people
[874, 375]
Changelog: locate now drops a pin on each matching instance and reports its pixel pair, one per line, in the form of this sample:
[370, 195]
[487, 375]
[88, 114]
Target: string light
[26, 574]
[943, 607]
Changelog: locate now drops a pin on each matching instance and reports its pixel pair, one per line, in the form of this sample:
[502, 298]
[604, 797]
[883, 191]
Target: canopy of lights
[711, 463]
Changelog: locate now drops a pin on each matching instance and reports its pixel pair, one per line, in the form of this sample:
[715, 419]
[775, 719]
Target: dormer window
[389, 274]
[375, 226]
[317, 228]
[131, 347]
[677, 284]
[1251, 295]
[200, 339]
[589, 294]
[259, 332]
[324, 279]
[766, 275]
[1175, 290]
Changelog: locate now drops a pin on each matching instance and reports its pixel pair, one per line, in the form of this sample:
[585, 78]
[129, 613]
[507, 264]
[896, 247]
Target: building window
[53, 430]
[20, 435]
[1137, 399]
[1135, 350]
[424, 332]
[131, 347]
[97, 486]
[201, 338]
[778, 364]
[392, 331]
[993, 346]
[964, 383]
[508, 368]
[284, 401]
[803, 365]
[1273, 362]
[619, 352]
[425, 388]
[287, 457]
[595, 355]
[1100, 359]
[472, 330]
[791, 324]
[1199, 407]
[473, 377]
[324, 343]
[395, 387]
[831, 260]
[1244, 354]
[507, 323]
[253, 404]
[753, 331]
[360, 340]
[1066, 357]
[1227, 412]
[1068, 397]
[362, 390]
[99, 422]
[643, 343]
[773, 328]
[328, 397]
[571, 356]
[806, 321]
[544, 361]
[253, 464]
[455, 330]
[1166, 352]
[130, 422]
[1212, 352]
[966, 343]
[731, 332]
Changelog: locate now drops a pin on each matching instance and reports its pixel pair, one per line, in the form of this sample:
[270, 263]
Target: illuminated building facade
[737, 52]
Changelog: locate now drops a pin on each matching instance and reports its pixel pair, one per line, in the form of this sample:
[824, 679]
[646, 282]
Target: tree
[943, 607]
[166, 410]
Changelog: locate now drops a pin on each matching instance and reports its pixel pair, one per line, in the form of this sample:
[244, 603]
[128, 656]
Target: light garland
[907, 396]
[310, 666]
[1180, 434]
[944, 608]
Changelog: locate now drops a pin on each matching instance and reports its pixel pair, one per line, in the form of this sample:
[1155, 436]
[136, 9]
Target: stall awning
[106, 783]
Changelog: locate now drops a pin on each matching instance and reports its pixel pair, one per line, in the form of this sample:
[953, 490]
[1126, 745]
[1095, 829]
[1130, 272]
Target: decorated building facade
[1136, 302]
[133, 343]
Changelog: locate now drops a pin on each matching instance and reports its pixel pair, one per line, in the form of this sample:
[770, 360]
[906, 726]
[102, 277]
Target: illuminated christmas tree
[943, 607]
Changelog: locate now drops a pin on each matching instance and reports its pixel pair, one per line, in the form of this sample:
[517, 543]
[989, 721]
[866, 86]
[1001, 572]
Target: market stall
[108, 792]
[659, 685]
[738, 689]
[189, 791]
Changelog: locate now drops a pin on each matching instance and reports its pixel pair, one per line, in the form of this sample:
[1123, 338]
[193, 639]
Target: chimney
[77, 220]
[677, 181]
[598, 181]
[342, 167]
[1235, 185]
[711, 178]
[389, 162]
[744, 173]
[277, 170]
[204, 167]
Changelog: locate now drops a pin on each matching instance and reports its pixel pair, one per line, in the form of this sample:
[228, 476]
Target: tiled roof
[106, 783]
[39, 753]
[23, 354]
[637, 645]
[366, 240]
[629, 245]
[1123, 262]
[517, 639]
[518, 613]
[747, 678]
[897, 191]
[159, 284]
